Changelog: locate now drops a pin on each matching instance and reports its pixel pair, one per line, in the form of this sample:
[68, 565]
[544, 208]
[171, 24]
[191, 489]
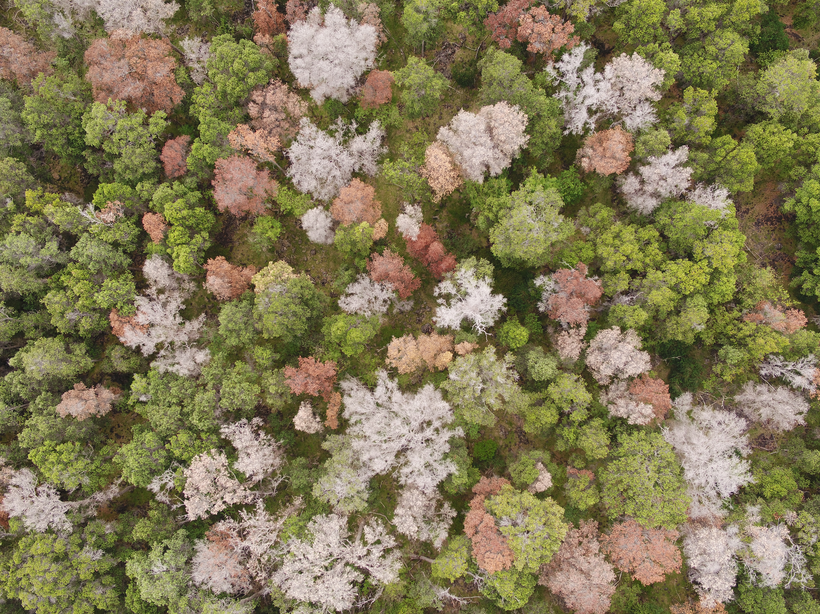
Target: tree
[785, 321]
[20, 60]
[416, 516]
[196, 53]
[260, 144]
[441, 171]
[210, 487]
[323, 163]
[567, 295]
[388, 428]
[530, 224]
[389, 268]
[661, 179]
[466, 295]
[788, 88]
[480, 384]
[225, 280]
[356, 203]
[422, 87]
[312, 377]
[777, 407]
[139, 70]
[644, 480]
[579, 574]
[366, 297]
[646, 554]
[235, 69]
[82, 402]
[545, 33]
[276, 110]
[326, 568]
[431, 251]
[50, 360]
[348, 334]
[580, 489]
[285, 302]
[490, 548]
[503, 25]
[615, 354]
[258, 455]
[128, 145]
[318, 224]
[408, 354]
[693, 120]
[606, 152]
[54, 113]
[38, 506]
[305, 420]
[174, 156]
[710, 557]
[329, 53]
[709, 443]
[487, 141]
[801, 374]
[267, 20]
[377, 89]
[240, 188]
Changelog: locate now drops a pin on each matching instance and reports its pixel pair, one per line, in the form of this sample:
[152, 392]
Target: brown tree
[570, 295]
[82, 402]
[225, 280]
[20, 60]
[334, 404]
[503, 25]
[276, 110]
[377, 89]
[312, 377]
[370, 14]
[647, 554]
[786, 321]
[408, 354]
[579, 574]
[139, 70]
[261, 144]
[490, 548]
[355, 204]
[441, 171]
[121, 324]
[606, 152]
[390, 267]
[297, 10]
[174, 156]
[654, 392]
[427, 248]
[240, 188]
[267, 20]
[545, 33]
[155, 225]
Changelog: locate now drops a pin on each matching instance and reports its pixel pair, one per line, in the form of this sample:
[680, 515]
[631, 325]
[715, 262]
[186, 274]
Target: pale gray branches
[613, 354]
[367, 297]
[39, 507]
[710, 557]
[664, 177]
[423, 516]
[775, 406]
[318, 224]
[465, 296]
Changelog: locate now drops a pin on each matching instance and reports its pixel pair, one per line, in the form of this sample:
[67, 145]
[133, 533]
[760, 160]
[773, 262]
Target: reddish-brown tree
[440, 170]
[579, 574]
[784, 321]
[312, 377]
[390, 267]
[277, 110]
[82, 402]
[225, 280]
[174, 156]
[155, 225]
[407, 354]
[503, 25]
[334, 404]
[139, 70]
[654, 392]
[427, 248]
[20, 60]
[545, 33]
[240, 188]
[267, 20]
[573, 294]
[606, 152]
[120, 324]
[377, 89]
[297, 10]
[355, 204]
[647, 554]
[261, 144]
[490, 548]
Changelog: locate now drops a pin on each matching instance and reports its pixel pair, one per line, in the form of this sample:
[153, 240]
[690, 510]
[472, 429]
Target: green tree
[581, 491]
[54, 114]
[286, 303]
[727, 162]
[513, 334]
[422, 21]
[128, 144]
[453, 561]
[693, 121]
[712, 63]
[530, 225]
[421, 87]
[15, 180]
[51, 360]
[169, 588]
[235, 68]
[640, 21]
[348, 335]
[509, 589]
[644, 480]
[69, 465]
[761, 600]
[787, 89]
[354, 241]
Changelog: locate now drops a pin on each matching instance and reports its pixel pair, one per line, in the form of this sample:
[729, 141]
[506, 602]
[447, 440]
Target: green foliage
[484, 451]
[509, 589]
[524, 470]
[291, 201]
[422, 21]
[693, 121]
[348, 334]
[285, 303]
[354, 241]
[540, 366]
[421, 87]
[235, 68]
[643, 479]
[772, 35]
[581, 491]
[15, 180]
[266, 231]
[512, 334]
[54, 114]
[453, 560]
[760, 600]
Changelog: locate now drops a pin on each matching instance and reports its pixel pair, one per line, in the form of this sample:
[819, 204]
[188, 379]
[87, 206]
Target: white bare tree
[616, 354]
[259, 454]
[423, 516]
[197, 52]
[465, 296]
[326, 568]
[664, 177]
[775, 406]
[328, 54]
[367, 297]
[709, 443]
[802, 373]
[409, 221]
[710, 556]
[39, 507]
[210, 486]
[318, 224]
